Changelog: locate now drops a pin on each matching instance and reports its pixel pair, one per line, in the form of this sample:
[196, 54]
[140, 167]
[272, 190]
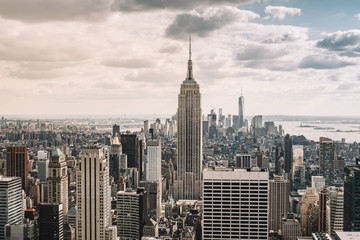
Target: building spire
[190, 76]
[190, 47]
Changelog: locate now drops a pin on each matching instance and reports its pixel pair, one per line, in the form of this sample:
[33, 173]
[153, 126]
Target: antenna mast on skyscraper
[189, 47]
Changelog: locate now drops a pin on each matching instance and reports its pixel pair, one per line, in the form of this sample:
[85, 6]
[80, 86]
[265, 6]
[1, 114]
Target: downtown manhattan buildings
[192, 176]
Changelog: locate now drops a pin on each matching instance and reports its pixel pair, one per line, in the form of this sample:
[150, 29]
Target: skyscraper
[235, 204]
[17, 164]
[58, 180]
[11, 202]
[334, 210]
[241, 110]
[51, 221]
[189, 139]
[131, 213]
[279, 191]
[327, 159]
[153, 164]
[288, 154]
[92, 195]
[115, 157]
[352, 198]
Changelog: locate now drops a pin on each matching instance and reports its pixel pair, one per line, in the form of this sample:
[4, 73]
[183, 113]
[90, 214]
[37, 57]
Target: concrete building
[132, 212]
[235, 204]
[291, 229]
[21, 231]
[153, 163]
[327, 160]
[242, 161]
[279, 191]
[17, 164]
[92, 195]
[189, 139]
[153, 190]
[43, 165]
[11, 203]
[58, 180]
[51, 221]
[334, 210]
[347, 235]
[307, 202]
[317, 182]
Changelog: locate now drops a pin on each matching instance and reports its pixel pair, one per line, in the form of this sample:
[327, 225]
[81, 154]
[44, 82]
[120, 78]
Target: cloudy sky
[293, 57]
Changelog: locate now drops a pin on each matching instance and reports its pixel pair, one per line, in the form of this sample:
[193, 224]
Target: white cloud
[357, 16]
[280, 12]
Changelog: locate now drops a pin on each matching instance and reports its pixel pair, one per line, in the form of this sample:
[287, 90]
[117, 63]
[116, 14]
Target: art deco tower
[241, 110]
[189, 139]
[58, 180]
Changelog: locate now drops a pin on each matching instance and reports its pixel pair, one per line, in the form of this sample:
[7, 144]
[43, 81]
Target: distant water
[336, 130]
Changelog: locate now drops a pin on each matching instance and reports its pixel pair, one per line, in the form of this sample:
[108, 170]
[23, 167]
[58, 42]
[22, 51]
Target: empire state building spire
[188, 182]
[190, 76]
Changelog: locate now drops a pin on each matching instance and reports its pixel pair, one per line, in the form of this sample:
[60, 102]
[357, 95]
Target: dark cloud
[259, 53]
[67, 10]
[290, 36]
[146, 5]
[202, 23]
[346, 43]
[54, 10]
[323, 62]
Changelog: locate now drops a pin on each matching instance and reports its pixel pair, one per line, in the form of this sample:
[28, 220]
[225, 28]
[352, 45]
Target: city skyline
[283, 53]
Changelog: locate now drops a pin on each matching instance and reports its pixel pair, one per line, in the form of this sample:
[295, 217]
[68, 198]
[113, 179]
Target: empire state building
[189, 139]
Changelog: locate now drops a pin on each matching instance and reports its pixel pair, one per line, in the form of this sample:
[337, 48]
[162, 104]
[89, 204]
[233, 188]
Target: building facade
[235, 204]
[279, 191]
[17, 164]
[51, 221]
[11, 203]
[92, 195]
[189, 139]
[58, 180]
[327, 159]
[352, 198]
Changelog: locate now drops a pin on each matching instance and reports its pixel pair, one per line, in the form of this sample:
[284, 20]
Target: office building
[317, 182]
[298, 160]
[116, 130]
[132, 212]
[322, 210]
[189, 139]
[288, 146]
[347, 235]
[279, 191]
[153, 164]
[115, 158]
[133, 146]
[43, 165]
[153, 190]
[20, 231]
[352, 198]
[235, 204]
[242, 161]
[236, 122]
[11, 203]
[291, 229]
[308, 202]
[334, 210]
[17, 164]
[92, 195]
[58, 180]
[241, 111]
[327, 159]
[51, 221]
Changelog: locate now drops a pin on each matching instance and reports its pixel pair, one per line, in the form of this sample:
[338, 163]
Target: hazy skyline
[295, 57]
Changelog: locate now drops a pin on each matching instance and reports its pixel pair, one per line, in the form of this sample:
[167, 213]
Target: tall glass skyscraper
[327, 159]
[241, 110]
